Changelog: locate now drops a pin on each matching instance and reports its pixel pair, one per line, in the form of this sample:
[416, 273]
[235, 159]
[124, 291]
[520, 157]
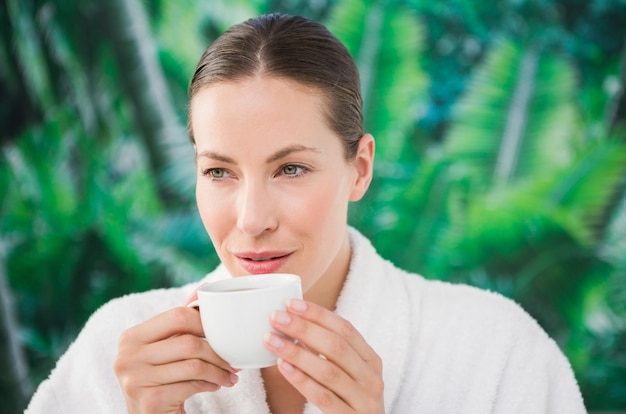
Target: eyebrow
[282, 153]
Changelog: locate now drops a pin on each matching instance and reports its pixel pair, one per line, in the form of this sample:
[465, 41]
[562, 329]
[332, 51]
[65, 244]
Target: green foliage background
[501, 160]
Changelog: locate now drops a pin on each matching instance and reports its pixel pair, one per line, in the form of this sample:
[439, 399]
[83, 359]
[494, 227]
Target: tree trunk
[15, 386]
[164, 136]
[516, 119]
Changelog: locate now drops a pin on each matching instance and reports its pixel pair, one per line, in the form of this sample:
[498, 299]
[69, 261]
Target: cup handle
[195, 304]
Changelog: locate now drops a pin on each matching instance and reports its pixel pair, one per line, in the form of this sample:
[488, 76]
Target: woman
[275, 119]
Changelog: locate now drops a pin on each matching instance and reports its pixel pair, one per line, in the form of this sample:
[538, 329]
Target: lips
[262, 262]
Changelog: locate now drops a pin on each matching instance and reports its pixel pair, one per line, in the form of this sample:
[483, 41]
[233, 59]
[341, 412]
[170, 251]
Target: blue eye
[290, 169]
[216, 173]
[293, 170]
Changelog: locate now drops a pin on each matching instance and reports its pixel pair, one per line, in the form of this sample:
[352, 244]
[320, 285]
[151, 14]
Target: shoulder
[464, 302]
[484, 319]
[443, 312]
[483, 350]
[455, 319]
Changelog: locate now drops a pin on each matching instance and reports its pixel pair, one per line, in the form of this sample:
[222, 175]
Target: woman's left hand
[331, 365]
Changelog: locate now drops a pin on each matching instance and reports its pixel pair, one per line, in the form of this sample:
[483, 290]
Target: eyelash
[302, 170]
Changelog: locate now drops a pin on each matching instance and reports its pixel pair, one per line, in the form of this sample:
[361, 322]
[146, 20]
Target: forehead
[269, 88]
[262, 104]
[262, 110]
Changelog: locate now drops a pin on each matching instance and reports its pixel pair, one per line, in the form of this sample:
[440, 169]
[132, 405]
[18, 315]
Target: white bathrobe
[445, 349]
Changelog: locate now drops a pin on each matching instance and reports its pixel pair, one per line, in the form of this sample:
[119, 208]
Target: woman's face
[273, 185]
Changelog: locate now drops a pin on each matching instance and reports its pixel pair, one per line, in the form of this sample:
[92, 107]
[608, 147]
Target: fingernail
[234, 379]
[297, 305]
[285, 365]
[281, 317]
[274, 340]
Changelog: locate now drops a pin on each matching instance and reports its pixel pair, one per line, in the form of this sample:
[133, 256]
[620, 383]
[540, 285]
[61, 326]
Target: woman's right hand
[165, 360]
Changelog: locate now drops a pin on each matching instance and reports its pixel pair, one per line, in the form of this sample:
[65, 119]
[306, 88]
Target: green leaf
[516, 118]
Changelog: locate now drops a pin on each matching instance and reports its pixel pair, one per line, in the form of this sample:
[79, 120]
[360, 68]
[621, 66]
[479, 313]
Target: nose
[256, 210]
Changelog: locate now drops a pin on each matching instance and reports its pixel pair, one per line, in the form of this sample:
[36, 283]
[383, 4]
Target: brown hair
[293, 48]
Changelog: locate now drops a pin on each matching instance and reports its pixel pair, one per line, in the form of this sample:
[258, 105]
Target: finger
[331, 321]
[190, 370]
[164, 325]
[320, 396]
[179, 348]
[160, 398]
[323, 341]
[320, 370]
[322, 380]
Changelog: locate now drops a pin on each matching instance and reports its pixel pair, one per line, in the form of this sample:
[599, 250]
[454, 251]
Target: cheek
[319, 209]
[211, 214]
[202, 209]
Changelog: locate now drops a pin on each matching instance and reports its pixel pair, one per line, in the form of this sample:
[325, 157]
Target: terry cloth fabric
[445, 349]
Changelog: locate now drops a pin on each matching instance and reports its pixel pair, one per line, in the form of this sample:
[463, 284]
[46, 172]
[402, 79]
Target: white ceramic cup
[236, 313]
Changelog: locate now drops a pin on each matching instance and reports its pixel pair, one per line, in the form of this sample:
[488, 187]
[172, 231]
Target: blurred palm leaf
[549, 212]
[572, 199]
[420, 215]
[600, 347]
[504, 130]
[517, 117]
[592, 186]
[29, 60]
[157, 122]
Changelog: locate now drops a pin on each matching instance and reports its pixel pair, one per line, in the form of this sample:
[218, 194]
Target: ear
[364, 167]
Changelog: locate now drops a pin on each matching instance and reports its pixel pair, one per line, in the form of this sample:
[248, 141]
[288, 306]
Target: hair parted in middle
[293, 48]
